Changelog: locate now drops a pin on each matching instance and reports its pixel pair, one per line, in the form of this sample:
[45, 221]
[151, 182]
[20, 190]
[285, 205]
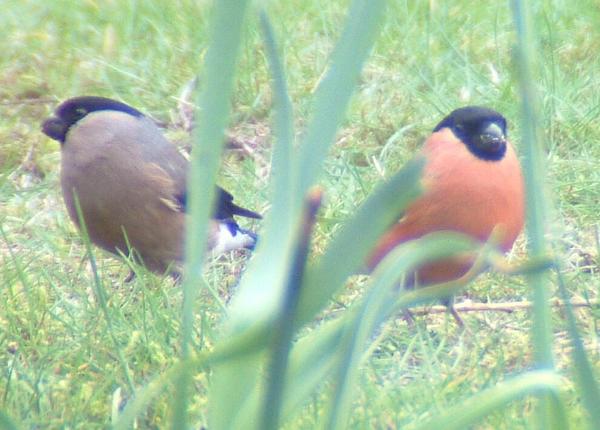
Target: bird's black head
[483, 130]
[73, 110]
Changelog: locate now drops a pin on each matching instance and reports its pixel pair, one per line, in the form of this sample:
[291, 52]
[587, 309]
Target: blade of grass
[101, 294]
[331, 99]
[275, 245]
[587, 382]
[284, 326]
[283, 124]
[372, 218]
[315, 356]
[381, 209]
[268, 269]
[534, 179]
[334, 91]
[377, 306]
[264, 282]
[383, 300]
[536, 203]
[472, 410]
[6, 423]
[214, 102]
[240, 349]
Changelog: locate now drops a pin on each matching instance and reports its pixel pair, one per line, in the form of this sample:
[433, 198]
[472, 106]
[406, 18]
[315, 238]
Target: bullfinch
[472, 183]
[130, 182]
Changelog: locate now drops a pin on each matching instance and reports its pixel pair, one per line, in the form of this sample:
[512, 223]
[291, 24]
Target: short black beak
[491, 138]
[55, 128]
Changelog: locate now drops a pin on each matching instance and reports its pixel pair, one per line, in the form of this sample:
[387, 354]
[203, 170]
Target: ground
[430, 57]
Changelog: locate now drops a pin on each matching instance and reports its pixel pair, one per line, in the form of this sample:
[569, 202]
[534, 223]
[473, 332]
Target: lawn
[63, 356]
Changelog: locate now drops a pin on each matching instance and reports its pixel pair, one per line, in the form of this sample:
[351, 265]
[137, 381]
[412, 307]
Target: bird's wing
[166, 155]
[165, 188]
[226, 209]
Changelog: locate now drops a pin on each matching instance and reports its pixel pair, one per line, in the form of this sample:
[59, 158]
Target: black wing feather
[225, 208]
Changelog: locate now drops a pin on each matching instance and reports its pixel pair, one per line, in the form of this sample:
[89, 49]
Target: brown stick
[507, 307]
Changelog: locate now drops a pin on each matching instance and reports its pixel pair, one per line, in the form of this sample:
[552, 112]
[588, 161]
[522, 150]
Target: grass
[62, 368]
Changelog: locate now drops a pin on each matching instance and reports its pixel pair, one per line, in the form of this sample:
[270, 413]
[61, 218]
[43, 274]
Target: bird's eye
[81, 111]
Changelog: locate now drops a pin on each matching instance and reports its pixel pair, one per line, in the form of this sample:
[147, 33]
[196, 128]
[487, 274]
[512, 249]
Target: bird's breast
[462, 193]
[470, 195]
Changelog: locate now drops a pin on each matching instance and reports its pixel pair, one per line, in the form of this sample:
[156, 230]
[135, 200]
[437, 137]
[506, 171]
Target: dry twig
[507, 307]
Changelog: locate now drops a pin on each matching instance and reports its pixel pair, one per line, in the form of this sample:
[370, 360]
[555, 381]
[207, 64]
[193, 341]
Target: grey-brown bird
[131, 183]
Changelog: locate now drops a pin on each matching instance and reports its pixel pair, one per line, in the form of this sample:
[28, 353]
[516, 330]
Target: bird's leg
[176, 275]
[456, 316]
[449, 303]
[130, 277]
[408, 317]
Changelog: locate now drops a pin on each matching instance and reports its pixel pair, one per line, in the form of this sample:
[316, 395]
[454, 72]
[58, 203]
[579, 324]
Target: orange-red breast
[473, 184]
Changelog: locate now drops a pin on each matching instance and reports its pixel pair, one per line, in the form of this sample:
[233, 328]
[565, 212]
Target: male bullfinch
[473, 185]
[131, 183]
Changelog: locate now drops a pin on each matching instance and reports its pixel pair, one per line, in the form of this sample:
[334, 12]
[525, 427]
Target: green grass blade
[214, 102]
[534, 178]
[266, 273]
[333, 94]
[585, 378]
[472, 410]
[265, 280]
[275, 247]
[284, 325]
[6, 423]
[310, 363]
[536, 204]
[101, 294]
[241, 349]
[380, 302]
[283, 121]
[381, 209]
[331, 99]
[316, 356]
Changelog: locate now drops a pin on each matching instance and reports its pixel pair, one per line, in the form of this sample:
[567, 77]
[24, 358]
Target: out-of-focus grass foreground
[302, 107]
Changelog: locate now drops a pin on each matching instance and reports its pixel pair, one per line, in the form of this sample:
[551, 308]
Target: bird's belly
[473, 213]
[122, 216]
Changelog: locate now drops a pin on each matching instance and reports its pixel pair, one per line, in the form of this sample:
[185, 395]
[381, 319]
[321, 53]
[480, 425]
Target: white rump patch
[226, 241]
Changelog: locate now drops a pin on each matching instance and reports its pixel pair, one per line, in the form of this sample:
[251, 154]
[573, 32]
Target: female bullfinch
[131, 183]
[473, 185]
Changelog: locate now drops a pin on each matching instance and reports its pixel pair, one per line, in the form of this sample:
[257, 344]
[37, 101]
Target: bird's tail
[238, 210]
